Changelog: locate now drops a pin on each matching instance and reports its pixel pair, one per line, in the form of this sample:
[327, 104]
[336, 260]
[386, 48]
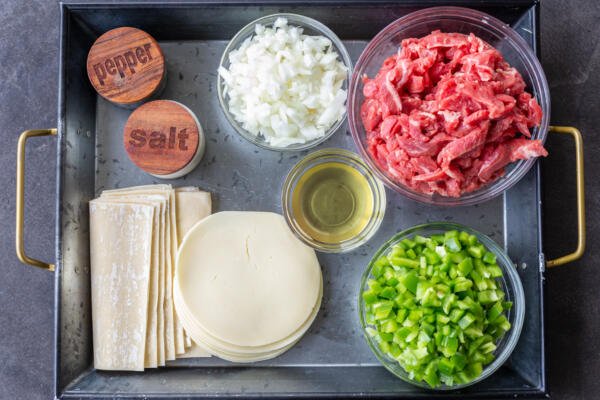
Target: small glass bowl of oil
[332, 201]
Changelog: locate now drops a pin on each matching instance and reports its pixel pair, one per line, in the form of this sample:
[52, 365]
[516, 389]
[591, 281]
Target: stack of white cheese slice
[246, 289]
[134, 236]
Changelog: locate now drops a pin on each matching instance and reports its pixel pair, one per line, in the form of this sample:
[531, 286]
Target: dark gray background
[28, 95]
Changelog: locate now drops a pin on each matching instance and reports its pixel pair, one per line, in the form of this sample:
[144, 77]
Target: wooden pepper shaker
[126, 66]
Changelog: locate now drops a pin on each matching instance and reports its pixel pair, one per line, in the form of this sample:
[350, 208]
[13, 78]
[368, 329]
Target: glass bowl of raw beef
[449, 106]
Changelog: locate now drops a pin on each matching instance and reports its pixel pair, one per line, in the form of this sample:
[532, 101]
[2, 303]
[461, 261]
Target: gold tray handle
[19, 242]
[574, 132]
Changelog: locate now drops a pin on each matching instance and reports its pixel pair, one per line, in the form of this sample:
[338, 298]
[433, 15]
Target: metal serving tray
[333, 359]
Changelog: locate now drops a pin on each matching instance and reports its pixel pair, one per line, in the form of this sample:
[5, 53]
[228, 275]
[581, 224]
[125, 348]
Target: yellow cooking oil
[332, 202]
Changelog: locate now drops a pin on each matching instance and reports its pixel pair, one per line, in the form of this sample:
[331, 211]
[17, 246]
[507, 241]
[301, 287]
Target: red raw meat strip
[511, 151]
[465, 144]
[447, 114]
[370, 113]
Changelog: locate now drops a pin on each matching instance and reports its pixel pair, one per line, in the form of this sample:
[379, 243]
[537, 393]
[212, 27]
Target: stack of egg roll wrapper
[134, 236]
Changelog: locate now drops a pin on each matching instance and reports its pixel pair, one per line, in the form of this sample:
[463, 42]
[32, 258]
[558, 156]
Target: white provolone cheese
[246, 279]
[219, 346]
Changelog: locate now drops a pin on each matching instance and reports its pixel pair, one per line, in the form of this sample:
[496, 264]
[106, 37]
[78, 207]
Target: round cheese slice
[202, 335]
[246, 279]
[204, 338]
[234, 354]
[237, 358]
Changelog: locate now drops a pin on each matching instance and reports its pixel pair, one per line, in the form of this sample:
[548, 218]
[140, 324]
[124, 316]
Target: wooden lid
[125, 65]
[162, 137]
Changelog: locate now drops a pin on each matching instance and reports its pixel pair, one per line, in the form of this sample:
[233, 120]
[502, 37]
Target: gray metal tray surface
[333, 358]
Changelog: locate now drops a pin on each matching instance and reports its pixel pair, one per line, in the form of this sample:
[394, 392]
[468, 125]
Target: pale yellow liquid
[332, 202]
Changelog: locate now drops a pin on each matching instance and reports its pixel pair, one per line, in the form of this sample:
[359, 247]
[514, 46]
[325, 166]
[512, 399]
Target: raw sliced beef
[447, 114]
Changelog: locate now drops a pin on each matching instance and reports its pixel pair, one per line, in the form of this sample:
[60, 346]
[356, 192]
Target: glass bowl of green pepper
[441, 306]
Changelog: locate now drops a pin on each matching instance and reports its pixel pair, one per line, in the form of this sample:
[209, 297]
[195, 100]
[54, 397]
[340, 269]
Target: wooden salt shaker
[164, 138]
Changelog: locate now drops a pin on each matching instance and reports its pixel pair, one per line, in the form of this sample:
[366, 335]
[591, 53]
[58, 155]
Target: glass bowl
[310, 27]
[511, 285]
[313, 160]
[450, 19]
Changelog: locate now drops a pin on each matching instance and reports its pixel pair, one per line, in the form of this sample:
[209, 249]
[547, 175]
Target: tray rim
[67, 7]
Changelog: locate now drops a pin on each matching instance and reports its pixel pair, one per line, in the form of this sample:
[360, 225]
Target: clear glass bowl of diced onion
[262, 110]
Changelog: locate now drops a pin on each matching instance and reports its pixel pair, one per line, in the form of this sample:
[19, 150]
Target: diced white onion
[284, 85]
